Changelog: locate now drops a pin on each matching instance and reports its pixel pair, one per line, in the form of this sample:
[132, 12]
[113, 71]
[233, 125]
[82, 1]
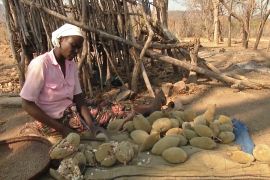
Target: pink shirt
[46, 85]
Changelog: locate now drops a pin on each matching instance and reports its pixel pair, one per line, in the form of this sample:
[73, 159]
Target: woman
[52, 85]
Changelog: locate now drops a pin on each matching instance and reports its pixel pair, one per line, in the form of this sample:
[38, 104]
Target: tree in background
[264, 14]
[243, 12]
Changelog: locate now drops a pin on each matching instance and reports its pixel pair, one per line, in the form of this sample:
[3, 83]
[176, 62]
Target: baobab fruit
[189, 134]
[129, 126]
[199, 120]
[226, 127]
[189, 115]
[73, 139]
[186, 125]
[175, 155]
[139, 136]
[141, 123]
[165, 143]
[203, 143]
[261, 152]
[105, 155]
[214, 126]
[150, 141]
[226, 137]
[203, 130]
[224, 120]
[209, 114]
[241, 157]
[183, 140]
[154, 116]
[124, 152]
[174, 131]
[162, 125]
[175, 123]
[114, 125]
[79, 158]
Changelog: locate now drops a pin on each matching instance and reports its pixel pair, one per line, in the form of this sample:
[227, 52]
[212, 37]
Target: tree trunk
[260, 31]
[161, 11]
[244, 37]
[230, 26]
[216, 21]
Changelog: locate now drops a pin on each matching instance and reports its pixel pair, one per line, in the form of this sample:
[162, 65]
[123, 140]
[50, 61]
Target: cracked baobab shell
[209, 114]
[226, 137]
[189, 115]
[175, 123]
[108, 161]
[226, 127]
[241, 157]
[90, 157]
[162, 125]
[154, 116]
[224, 120]
[214, 126]
[189, 134]
[141, 123]
[124, 152]
[150, 141]
[200, 120]
[139, 136]
[261, 152]
[114, 125]
[174, 131]
[203, 142]
[203, 130]
[174, 155]
[119, 136]
[129, 126]
[56, 175]
[165, 143]
[73, 139]
[65, 147]
[105, 154]
[79, 158]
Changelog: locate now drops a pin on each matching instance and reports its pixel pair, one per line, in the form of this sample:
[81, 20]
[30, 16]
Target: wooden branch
[194, 61]
[156, 45]
[232, 13]
[146, 46]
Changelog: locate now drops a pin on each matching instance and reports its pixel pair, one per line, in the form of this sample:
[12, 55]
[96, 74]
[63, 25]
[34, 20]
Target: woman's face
[70, 46]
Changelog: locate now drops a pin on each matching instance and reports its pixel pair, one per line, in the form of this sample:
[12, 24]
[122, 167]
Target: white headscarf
[65, 30]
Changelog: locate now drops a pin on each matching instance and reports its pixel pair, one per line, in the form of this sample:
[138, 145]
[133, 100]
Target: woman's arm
[78, 99]
[33, 110]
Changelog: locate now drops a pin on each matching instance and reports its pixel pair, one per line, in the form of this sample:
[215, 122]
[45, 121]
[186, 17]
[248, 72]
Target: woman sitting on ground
[52, 88]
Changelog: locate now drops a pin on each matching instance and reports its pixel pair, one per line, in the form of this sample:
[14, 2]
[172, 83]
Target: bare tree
[205, 7]
[247, 7]
[216, 21]
[265, 12]
[230, 25]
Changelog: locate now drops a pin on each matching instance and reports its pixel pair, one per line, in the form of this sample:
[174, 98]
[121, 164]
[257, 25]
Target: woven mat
[201, 164]
[23, 157]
